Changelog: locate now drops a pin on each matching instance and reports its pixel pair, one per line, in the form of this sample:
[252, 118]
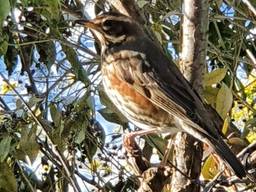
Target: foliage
[50, 90]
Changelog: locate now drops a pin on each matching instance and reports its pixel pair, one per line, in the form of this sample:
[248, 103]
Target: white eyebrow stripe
[121, 18]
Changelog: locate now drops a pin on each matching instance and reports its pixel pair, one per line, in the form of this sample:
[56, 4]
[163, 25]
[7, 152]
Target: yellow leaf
[226, 125]
[239, 113]
[224, 100]
[214, 77]
[107, 169]
[38, 112]
[95, 164]
[6, 87]
[250, 88]
[70, 78]
[210, 168]
[251, 137]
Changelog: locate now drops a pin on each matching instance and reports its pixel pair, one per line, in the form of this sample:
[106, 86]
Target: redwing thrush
[149, 89]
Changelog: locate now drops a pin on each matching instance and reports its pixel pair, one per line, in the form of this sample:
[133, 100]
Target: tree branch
[188, 151]
[54, 147]
[129, 8]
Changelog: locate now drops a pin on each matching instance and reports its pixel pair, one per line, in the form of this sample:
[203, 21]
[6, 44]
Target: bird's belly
[134, 106]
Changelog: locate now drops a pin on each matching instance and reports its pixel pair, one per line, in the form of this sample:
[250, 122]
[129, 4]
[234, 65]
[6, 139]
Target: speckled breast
[136, 107]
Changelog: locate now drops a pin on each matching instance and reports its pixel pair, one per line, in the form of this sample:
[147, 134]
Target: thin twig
[25, 177]
[209, 186]
[250, 6]
[244, 102]
[87, 180]
[4, 104]
[246, 149]
[54, 147]
[251, 56]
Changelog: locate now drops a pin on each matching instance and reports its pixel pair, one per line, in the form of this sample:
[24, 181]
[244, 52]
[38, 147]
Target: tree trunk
[188, 151]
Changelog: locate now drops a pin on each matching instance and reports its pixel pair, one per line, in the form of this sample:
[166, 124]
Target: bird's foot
[129, 139]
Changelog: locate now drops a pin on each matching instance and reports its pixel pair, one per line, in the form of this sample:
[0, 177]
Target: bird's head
[113, 28]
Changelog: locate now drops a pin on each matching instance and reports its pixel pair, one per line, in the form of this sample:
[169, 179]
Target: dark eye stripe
[108, 24]
[113, 28]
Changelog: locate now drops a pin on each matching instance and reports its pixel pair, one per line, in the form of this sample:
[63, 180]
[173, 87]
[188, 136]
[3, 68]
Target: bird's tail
[228, 156]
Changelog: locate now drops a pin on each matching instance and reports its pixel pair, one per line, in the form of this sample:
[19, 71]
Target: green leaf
[50, 9]
[111, 116]
[5, 146]
[224, 100]
[110, 113]
[81, 136]
[76, 65]
[34, 101]
[210, 94]
[3, 47]
[53, 8]
[7, 179]
[56, 115]
[214, 77]
[28, 145]
[90, 102]
[89, 142]
[239, 86]
[4, 10]
[85, 102]
[142, 3]
[101, 136]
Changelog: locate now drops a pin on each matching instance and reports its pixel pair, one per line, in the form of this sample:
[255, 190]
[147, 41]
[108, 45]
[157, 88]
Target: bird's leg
[129, 138]
[130, 145]
[134, 154]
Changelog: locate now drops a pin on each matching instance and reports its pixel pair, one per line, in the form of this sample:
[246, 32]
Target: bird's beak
[95, 28]
[88, 24]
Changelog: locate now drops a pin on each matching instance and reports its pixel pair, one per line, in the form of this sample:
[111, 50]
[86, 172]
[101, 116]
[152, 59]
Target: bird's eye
[108, 25]
[113, 27]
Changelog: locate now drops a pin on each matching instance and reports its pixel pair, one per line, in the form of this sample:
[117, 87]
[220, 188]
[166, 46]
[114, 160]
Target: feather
[151, 74]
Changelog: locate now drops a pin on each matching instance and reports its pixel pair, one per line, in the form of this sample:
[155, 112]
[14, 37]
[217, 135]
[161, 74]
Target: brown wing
[152, 75]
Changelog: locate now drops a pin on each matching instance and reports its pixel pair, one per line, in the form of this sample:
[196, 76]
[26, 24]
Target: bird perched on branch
[149, 89]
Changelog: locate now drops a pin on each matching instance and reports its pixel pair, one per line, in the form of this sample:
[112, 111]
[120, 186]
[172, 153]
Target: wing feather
[152, 75]
[171, 97]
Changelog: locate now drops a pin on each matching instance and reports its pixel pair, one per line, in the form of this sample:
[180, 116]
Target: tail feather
[229, 157]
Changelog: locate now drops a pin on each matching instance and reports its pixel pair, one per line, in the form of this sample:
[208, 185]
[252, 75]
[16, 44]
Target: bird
[149, 89]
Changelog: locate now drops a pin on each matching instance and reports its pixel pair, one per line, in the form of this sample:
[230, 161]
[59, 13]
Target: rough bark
[194, 41]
